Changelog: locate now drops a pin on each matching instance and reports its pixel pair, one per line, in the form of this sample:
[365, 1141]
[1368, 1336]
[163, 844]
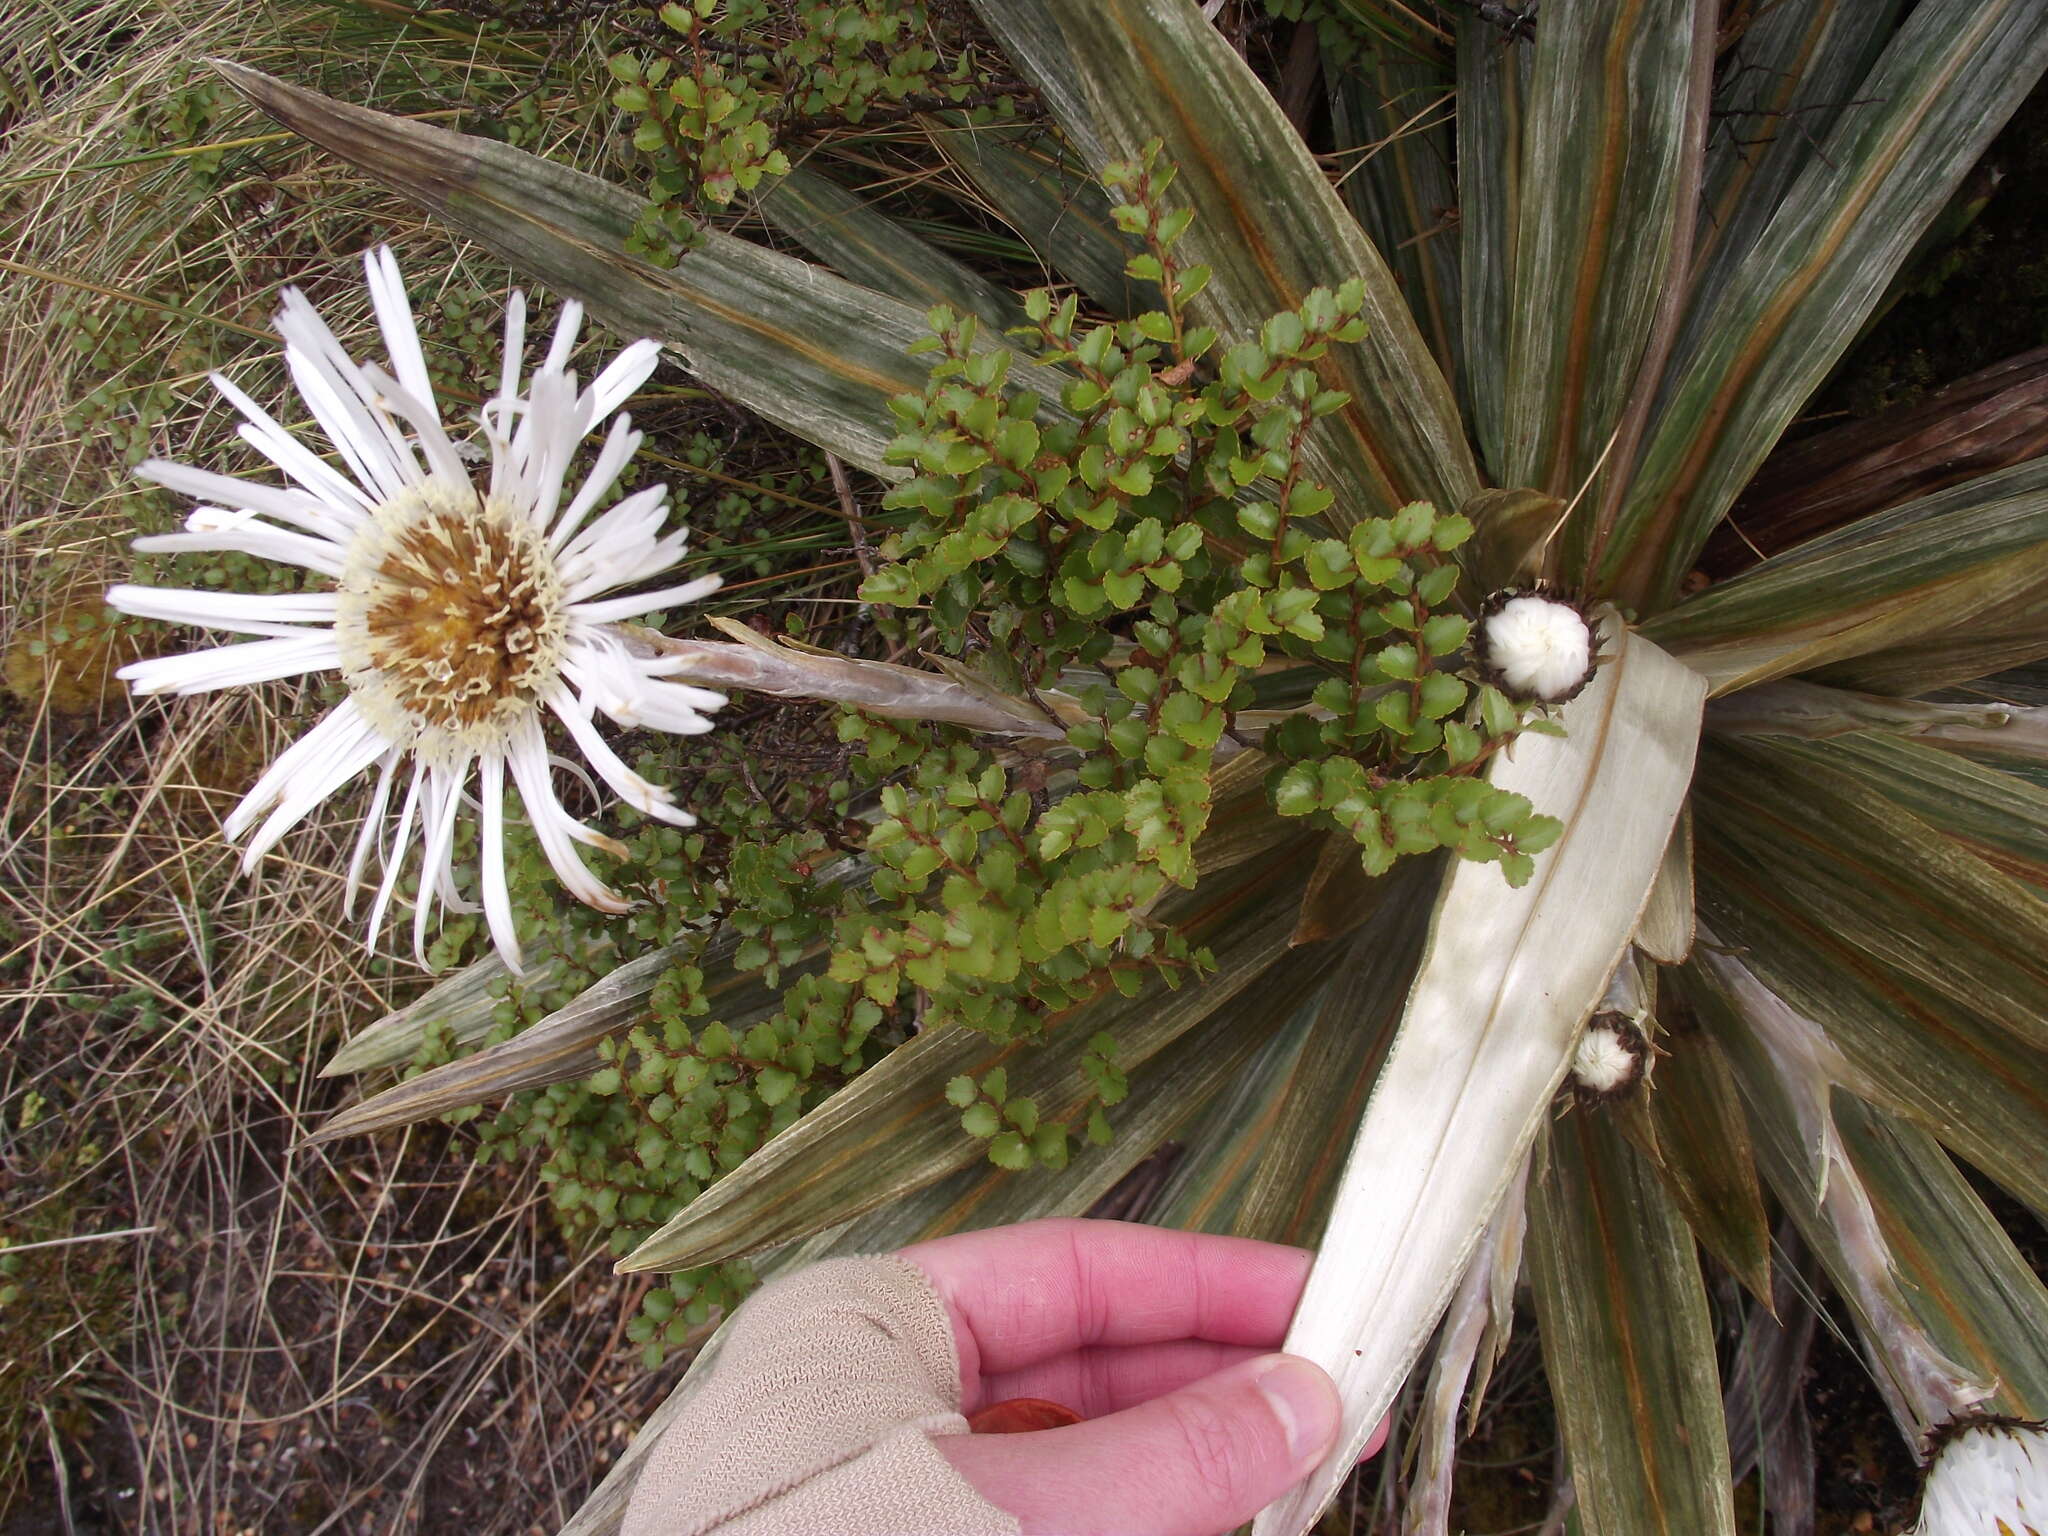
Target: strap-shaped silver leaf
[1504, 988]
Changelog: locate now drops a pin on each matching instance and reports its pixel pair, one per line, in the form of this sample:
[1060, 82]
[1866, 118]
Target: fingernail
[1303, 1402]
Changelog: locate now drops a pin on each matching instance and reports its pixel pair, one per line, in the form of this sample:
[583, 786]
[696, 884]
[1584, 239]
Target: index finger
[1033, 1292]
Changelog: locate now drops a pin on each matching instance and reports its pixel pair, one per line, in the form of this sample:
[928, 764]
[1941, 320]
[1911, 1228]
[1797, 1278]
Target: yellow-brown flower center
[451, 619]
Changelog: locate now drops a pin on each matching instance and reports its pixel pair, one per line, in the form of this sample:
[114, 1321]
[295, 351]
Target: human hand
[1162, 1341]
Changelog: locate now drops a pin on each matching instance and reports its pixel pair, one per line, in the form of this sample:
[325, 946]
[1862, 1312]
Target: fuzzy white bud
[1603, 1061]
[1988, 1477]
[1541, 648]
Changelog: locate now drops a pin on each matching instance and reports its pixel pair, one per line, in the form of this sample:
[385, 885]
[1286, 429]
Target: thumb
[1192, 1463]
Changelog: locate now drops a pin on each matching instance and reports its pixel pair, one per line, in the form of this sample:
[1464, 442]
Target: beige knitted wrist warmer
[817, 1418]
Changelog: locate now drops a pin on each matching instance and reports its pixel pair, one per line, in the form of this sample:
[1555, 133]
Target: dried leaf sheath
[1503, 990]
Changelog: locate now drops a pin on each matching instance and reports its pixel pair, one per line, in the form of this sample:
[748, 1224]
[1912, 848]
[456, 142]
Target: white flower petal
[648, 798]
[657, 667]
[1990, 1477]
[395, 320]
[344, 759]
[295, 507]
[545, 443]
[618, 547]
[497, 898]
[394, 468]
[305, 332]
[527, 757]
[420, 413]
[394, 860]
[443, 799]
[647, 602]
[1543, 649]
[349, 427]
[615, 385]
[515, 345]
[619, 447]
[234, 666]
[286, 615]
[373, 824]
[244, 533]
[566, 328]
[1602, 1062]
[673, 708]
[305, 773]
[262, 432]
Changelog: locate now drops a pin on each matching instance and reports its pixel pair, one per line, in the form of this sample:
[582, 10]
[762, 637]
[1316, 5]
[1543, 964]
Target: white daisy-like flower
[1535, 647]
[1988, 1478]
[460, 618]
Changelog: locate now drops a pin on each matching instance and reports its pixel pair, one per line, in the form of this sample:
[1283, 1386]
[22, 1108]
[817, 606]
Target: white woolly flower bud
[1613, 1056]
[1535, 647]
[1989, 1477]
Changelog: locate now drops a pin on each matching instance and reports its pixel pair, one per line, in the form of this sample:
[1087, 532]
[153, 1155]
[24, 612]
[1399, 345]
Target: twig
[862, 550]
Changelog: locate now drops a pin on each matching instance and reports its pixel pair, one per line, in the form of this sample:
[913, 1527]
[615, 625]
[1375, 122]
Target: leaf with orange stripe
[1941, 566]
[1954, 1069]
[1610, 177]
[1627, 1341]
[807, 349]
[1834, 847]
[1119, 73]
[1942, 1296]
[1947, 82]
[1266, 1159]
[889, 1131]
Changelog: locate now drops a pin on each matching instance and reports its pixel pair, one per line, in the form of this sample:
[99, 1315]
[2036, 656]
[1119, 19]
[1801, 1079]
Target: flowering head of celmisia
[1988, 1476]
[468, 612]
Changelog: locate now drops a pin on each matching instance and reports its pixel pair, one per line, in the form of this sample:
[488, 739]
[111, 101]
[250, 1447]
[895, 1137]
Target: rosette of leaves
[1799, 806]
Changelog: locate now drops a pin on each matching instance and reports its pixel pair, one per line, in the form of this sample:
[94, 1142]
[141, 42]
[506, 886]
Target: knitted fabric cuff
[818, 1418]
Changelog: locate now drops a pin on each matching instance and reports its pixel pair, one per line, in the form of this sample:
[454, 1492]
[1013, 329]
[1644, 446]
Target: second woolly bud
[1612, 1058]
[1534, 646]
